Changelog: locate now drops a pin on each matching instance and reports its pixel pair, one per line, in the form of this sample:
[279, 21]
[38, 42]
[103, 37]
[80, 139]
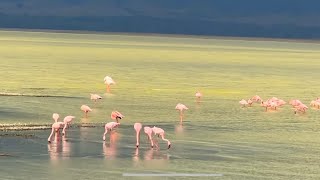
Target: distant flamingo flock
[117, 116]
[274, 103]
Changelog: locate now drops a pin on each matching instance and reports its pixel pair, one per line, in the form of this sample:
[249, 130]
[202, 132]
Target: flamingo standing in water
[243, 103]
[256, 98]
[85, 109]
[67, 121]
[137, 127]
[116, 115]
[95, 97]
[160, 132]
[55, 117]
[109, 126]
[55, 129]
[108, 81]
[300, 108]
[148, 131]
[198, 96]
[181, 107]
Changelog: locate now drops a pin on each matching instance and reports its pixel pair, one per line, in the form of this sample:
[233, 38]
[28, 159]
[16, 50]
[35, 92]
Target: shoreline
[239, 38]
[26, 127]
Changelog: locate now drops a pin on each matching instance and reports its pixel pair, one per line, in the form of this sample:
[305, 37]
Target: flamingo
[108, 81]
[243, 102]
[198, 96]
[300, 108]
[295, 102]
[148, 131]
[160, 132]
[109, 126]
[67, 120]
[256, 98]
[137, 127]
[55, 129]
[95, 97]
[85, 109]
[55, 117]
[116, 115]
[249, 102]
[181, 107]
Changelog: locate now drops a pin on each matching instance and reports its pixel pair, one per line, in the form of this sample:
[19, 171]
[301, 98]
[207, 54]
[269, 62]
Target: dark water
[82, 154]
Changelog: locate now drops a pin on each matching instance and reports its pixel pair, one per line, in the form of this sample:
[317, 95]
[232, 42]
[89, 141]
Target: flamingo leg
[138, 139]
[108, 88]
[181, 117]
[49, 138]
[104, 134]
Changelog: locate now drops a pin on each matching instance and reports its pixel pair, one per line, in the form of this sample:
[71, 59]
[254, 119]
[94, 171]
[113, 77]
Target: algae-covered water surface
[42, 73]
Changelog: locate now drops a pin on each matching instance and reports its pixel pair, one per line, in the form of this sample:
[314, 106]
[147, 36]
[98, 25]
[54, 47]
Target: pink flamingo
[249, 102]
[55, 129]
[198, 96]
[181, 107]
[256, 98]
[160, 132]
[108, 81]
[116, 115]
[95, 97]
[109, 126]
[300, 108]
[315, 103]
[148, 131]
[67, 121]
[243, 103]
[137, 127]
[295, 102]
[85, 109]
[55, 117]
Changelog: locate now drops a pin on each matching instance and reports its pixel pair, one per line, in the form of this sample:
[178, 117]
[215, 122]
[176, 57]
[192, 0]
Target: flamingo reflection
[53, 148]
[110, 151]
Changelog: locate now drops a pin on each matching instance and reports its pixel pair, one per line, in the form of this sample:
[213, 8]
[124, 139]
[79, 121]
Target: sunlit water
[45, 73]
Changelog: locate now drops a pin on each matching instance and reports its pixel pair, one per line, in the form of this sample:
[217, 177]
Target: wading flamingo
[108, 81]
[198, 96]
[116, 115]
[256, 98]
[160, 132]
[300, 108]
[85, 109]
[55, 129]
[295, 102]
[95, 97]
[181, 107]
[67, 121]
[137, 127]
[55, 117]
[148, 131]
[243, 103]
[109, 126]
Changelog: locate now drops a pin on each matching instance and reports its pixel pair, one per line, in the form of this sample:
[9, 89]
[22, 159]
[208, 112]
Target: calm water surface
[45, 73]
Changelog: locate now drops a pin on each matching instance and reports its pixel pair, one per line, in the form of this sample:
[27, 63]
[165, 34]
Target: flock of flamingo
[115, 115]
[274, 102]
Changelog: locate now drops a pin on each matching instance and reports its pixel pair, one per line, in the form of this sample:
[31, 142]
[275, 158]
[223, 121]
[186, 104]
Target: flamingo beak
[169, 146]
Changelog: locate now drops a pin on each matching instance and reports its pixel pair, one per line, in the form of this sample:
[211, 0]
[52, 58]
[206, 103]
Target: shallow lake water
[45, 73]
